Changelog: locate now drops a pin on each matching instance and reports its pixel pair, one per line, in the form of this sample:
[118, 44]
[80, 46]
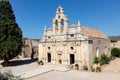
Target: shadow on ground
[21, 62]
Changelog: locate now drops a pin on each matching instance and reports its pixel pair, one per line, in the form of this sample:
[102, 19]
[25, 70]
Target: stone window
[72, 48]
[82, 34]
[72, 35]
[90, 41]
[48, 47]
[49, 37]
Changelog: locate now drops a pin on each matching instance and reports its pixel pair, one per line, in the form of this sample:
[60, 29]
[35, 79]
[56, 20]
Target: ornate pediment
[59, 52]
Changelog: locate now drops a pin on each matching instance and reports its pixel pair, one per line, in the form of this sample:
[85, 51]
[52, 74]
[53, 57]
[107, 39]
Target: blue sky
[33, 15]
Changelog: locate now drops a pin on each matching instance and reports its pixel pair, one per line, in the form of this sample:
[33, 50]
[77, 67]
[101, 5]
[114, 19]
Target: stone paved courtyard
[76, 75]
[31, 66]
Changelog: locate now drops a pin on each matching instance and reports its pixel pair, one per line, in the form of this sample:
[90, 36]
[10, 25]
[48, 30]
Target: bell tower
[60, 22]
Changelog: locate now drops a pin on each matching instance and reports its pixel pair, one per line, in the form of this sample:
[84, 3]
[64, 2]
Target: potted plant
[60, 61]
[85, 67]
[76, 66]
[40, 62]
[98, 69]
[92, 69]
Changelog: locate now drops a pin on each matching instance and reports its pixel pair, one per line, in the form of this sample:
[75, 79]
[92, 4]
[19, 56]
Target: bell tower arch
[60, 22]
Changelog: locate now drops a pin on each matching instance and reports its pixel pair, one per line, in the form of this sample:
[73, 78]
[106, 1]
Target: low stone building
[63, 44]
[29, 46]
[115, 41]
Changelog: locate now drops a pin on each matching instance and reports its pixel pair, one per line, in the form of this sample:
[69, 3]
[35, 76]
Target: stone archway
[59, 59]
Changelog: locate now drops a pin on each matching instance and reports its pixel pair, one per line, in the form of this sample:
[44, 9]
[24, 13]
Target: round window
[71, 48]
[48, 47]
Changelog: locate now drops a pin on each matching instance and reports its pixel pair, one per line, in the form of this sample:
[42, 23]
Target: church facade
[63, 44]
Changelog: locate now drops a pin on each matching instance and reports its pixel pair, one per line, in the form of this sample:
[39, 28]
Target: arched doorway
[59, 59]
[72, 59]
[49, 57]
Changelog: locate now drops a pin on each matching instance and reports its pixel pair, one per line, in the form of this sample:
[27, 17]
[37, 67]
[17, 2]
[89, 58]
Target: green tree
[10, 33]
[96, 60]
[115, 52]
[104, 59]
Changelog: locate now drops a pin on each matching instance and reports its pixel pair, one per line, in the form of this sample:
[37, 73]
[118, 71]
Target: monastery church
[63, 44]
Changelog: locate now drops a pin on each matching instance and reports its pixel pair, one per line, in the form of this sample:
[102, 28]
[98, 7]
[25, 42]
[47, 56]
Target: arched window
[62, 22]
[97, 52]
[49, 48]
[59, 10]
[72, 48]
[56, 23]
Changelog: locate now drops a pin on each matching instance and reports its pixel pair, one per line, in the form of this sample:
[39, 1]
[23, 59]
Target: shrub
[7, 75]
[111, 57]
[115, 52]
[85, 67]
[104, 59]
[40, 62]
[98, 69]
[96, 60]
[92, 69]
[76, 66]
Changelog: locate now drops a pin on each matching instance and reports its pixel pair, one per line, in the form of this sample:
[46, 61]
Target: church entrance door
[59, 58]
[72, 59]
[49, 57]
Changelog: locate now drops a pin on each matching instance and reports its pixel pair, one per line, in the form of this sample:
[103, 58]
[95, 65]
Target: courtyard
[76, 75]
[30, 70]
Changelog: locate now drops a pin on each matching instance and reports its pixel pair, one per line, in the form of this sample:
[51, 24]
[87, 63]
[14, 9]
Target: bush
[40, 62]
[111, 57]
[85, 68]
[76, 66]
[92, 69]
[96, 60]
[104, 59]
[7, 75]
[115, 52]
[98, 69]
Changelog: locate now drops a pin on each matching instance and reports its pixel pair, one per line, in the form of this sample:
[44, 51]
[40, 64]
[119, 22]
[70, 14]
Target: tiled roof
[93, 33]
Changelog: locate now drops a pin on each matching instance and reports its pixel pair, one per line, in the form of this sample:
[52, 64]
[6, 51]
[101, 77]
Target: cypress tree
[10, 33]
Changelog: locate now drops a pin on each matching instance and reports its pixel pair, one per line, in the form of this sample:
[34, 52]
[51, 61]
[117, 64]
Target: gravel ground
[20, 66]
[113, 66]
[76, 75]
[24, 65]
